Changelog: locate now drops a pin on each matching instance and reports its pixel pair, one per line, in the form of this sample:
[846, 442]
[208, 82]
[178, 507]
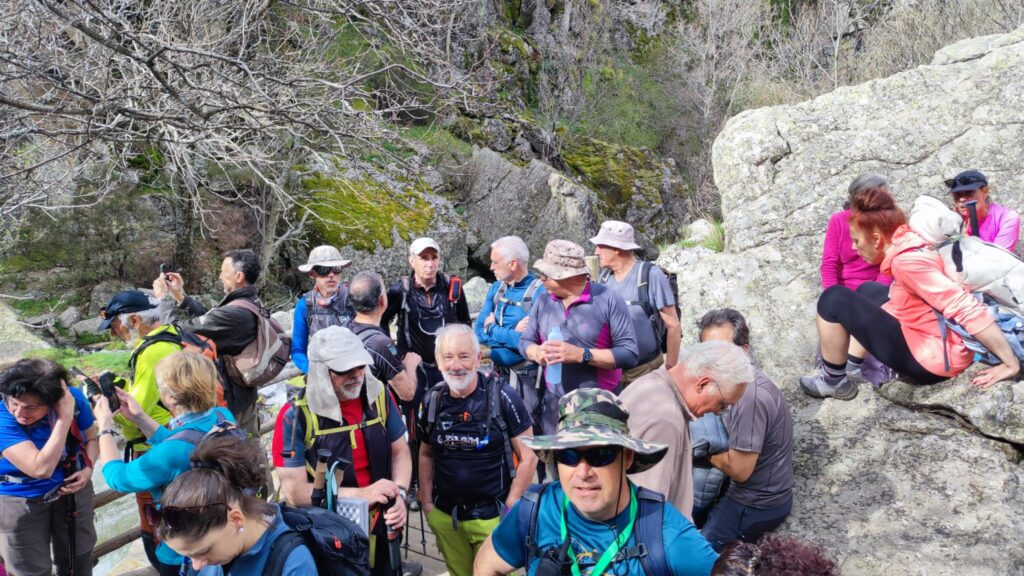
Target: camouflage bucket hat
[594, 417]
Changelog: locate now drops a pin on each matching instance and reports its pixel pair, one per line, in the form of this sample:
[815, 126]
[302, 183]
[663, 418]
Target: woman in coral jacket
[898, 325]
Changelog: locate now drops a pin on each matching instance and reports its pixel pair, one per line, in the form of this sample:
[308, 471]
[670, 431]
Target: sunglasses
[964, 195]
[185, 515]
[596, 457]
[346, 373]
[964, 181]
[327, 270]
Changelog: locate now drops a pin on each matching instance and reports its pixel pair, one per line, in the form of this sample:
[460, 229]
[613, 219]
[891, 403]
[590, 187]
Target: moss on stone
[621, 175]
[364, 214]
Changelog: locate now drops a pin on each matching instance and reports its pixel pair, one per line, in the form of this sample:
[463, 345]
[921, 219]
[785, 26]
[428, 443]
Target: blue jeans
[730, 520]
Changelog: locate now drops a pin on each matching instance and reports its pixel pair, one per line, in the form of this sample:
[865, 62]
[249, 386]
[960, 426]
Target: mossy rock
[365, 214]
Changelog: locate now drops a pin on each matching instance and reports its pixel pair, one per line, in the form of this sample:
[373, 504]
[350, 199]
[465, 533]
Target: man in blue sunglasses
[593, 520]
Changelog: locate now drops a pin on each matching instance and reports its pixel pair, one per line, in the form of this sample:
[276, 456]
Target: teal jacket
[164, 462]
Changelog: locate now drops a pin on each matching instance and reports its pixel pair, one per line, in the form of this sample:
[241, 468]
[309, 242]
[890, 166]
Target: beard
[346, 393]
[459, 380]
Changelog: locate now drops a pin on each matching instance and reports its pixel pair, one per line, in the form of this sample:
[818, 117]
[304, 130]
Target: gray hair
[365, 290]
[863, 183]
[452, 330]
[512, 248]
[726, 363]
[147, 317]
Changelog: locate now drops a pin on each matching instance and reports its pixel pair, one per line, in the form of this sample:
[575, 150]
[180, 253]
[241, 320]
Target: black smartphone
[105, 386]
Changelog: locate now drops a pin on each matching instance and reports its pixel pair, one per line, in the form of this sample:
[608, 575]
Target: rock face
[889, 483]
[15, 339]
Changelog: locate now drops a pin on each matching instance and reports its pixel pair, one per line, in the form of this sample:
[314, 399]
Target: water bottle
[553, 372]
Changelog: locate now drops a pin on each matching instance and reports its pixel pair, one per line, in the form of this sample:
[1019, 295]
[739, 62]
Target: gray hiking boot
[816, 386]
[854, 373]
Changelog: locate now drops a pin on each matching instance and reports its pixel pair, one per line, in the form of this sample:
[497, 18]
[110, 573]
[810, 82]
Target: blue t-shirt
[688, 553]
[299, 563]
[12, 433]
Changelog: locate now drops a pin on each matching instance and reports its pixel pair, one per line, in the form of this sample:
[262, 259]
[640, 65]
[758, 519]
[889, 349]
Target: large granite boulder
[15, 338]
[912, 480]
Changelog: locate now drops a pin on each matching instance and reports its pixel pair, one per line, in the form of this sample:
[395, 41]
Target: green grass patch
[32, 306]
[715, 241]
[440, 141]
[88, 362]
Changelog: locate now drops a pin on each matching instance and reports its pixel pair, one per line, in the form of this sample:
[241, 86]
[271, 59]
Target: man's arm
[300, 337]
[394, 306]
[404, 383]
[488, 563]
[486, 317]
[524, 471]
[295, 488]
[426, 495]
[737, 464]
[401, 463]
[462, 310]
[673, 335]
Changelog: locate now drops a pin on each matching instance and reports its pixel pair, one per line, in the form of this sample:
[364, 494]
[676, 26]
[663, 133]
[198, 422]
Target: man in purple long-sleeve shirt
[598, 335]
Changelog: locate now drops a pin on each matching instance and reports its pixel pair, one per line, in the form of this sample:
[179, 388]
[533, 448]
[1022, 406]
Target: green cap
[595, 417]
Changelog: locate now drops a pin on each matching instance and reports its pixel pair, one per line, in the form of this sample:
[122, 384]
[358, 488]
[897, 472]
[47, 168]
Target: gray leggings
[28, 530]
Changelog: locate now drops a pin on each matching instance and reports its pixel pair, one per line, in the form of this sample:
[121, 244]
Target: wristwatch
[403, 492]
[110, 431]
[587, 356]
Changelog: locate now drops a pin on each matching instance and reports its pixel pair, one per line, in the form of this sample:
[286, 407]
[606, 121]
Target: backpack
[643, 298]
[311, 303]
[188, 342]
[1011, 325]
[432, 401]
[338, 545]
[499, 297]
[650, 548]
[449, 283]
[262, 359]
[223, 428]
[311, 422]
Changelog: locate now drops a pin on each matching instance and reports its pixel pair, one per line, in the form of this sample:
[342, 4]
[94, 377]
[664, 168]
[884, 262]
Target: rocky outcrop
[913, 480]
[15, 338]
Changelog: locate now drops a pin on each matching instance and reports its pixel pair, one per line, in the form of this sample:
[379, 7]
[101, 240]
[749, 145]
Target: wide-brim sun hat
[617, 235]
[589, 417]
[562, 259]
[328, 256]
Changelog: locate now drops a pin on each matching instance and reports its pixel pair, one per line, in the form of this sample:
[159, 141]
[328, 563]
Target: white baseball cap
[420, 244]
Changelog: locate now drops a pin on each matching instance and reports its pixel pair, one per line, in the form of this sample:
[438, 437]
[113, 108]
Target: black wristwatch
[587, 356]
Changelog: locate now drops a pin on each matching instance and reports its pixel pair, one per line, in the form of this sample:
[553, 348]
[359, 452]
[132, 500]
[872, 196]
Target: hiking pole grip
[972, 215]
[319, 478]
[394, 543]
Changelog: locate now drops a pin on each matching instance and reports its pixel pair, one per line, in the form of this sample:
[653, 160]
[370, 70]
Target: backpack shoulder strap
[499, 294]
[532, 290]
[310, 303]
[649, 534]
[282, 547]
[150, 339]
[529, 506]
[494, 415]
[190, 435]
[602, 278]
[643, 288]
[432, 401]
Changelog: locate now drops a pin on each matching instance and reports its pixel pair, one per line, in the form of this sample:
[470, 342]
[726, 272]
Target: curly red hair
[874, 210]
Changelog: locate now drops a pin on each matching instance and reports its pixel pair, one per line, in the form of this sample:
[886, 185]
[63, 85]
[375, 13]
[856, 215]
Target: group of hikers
[565, 430]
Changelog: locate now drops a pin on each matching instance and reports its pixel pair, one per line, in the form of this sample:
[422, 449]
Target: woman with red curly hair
[898, 324]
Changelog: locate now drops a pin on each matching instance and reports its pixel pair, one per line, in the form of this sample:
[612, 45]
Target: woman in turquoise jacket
[187, 383]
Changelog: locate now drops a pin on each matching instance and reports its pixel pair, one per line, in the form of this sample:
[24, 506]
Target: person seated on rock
[326, 304]
[759, 458]
[996, 223]
[899, 325]
[774, 556]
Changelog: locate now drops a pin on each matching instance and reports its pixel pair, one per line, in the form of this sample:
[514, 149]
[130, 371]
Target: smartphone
[53, 495]
[105, 386]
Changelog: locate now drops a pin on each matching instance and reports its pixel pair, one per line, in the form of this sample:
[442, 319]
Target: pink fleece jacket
[1001, 226]
[920, 287]
[840, 264]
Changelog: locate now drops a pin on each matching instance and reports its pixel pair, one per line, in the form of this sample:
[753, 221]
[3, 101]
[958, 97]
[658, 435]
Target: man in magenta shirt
[996, 223]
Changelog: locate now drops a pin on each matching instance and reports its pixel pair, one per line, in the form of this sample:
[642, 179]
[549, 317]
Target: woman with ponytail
[211, 514]
[898, 325]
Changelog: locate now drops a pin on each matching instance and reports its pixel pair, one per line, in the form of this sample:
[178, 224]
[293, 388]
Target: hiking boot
[413, 502]
[817, 386]
[412, 569]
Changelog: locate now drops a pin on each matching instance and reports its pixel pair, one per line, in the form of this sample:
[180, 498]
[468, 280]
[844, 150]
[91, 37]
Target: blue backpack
[651, 545]
[1009, 323]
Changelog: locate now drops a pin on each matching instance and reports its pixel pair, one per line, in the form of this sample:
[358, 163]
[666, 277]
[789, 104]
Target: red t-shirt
[352, 411]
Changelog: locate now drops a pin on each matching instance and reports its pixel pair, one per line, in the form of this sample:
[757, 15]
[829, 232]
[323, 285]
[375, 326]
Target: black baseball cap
[966, 180]
[124, 303]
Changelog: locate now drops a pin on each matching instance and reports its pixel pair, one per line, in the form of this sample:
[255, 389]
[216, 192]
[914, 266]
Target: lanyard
[613, 550]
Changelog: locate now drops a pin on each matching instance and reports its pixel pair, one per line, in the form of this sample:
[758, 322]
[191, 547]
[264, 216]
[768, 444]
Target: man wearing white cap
[349, 413]
[646, 289]
[325, 305]
[423, 303]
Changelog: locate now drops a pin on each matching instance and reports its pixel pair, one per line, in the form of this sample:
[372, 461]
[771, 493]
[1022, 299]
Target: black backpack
[448, 283]
[650, 547]
[643, 298]
[338, 545]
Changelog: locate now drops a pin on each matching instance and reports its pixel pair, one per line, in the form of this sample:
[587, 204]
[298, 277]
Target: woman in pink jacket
[898, 325]
[840, 263]
[996, 223]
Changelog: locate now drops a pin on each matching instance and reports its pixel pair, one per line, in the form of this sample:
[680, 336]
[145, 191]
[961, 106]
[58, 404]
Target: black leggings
[861, 314]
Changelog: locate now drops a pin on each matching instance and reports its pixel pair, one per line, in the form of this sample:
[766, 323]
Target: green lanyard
[613, 550]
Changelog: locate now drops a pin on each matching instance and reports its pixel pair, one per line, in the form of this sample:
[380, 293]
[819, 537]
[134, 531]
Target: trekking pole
[394, 543]
[316, 499]
[972, 214]
[71, 516]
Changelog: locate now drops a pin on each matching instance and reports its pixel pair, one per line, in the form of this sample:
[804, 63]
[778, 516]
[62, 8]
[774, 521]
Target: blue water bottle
[553, 372]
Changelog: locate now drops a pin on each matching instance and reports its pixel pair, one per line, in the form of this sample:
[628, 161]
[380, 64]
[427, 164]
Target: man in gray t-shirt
[759, 460]
[622, 273]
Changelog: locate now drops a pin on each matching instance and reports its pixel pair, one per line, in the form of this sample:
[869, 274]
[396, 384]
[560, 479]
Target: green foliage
[622, 175]
[715, 240]
[441, 142]
[32, 306]
[88, 362]
[363, 213]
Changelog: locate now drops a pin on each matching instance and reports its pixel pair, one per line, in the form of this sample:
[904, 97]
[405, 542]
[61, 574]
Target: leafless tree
[222, 97]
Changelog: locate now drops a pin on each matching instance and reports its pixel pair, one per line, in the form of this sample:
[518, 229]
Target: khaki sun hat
[617, 235]
[324, 256]
[562, 259]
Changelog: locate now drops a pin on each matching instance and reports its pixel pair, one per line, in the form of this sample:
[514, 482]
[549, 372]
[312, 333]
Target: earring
[241, 529]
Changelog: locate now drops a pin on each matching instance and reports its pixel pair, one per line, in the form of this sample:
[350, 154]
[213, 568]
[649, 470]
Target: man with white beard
[471, 426]
[349, 413]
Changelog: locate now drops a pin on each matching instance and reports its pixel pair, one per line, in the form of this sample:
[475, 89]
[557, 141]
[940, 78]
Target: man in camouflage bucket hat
[593, 519]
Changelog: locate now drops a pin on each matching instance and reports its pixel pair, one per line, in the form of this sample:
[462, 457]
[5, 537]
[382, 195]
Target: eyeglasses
[183, 515]
[964, 181]
[723, 405]
[327, 270]
[597, 457]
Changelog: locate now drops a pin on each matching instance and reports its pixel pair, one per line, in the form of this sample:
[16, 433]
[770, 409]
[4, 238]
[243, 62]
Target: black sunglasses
[964, 181]
[325, 270]
[596, 457]
[181, 516]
